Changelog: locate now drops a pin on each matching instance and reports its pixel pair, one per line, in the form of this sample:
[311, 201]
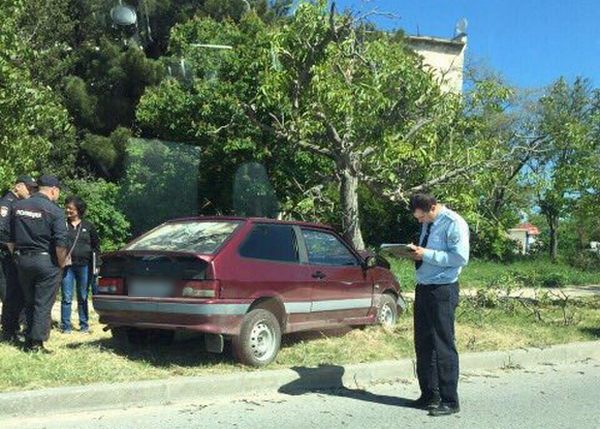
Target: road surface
[549, 396]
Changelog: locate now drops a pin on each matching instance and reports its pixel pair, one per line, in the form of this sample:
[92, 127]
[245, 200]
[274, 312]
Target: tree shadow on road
[328, 380]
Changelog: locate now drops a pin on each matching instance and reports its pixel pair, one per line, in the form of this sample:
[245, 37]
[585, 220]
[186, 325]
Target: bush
[491, 242]
[554, 279]
[586, 260]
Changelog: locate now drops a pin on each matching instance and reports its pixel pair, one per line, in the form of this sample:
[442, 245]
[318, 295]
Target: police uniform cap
[27, 181]
[49, 181]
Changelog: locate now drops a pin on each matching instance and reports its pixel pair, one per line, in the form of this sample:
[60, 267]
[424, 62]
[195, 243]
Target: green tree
[568, 167]
[32, 121]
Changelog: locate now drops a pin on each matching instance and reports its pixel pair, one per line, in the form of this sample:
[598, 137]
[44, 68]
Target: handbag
[68, 259]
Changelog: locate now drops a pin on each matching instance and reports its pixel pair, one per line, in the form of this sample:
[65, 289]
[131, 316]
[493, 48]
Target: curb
[297, 379]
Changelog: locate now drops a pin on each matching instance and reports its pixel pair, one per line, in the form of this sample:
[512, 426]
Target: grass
[537, 272]
[81, 358]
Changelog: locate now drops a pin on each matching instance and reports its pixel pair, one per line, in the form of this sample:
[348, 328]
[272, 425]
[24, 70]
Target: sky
[531, 43]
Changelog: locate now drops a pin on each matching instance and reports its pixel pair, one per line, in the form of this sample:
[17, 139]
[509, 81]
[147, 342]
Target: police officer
[39, 238]
[442, 253]
[10, 290]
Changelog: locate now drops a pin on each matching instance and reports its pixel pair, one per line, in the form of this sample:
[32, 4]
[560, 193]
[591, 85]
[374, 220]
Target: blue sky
[530, 42]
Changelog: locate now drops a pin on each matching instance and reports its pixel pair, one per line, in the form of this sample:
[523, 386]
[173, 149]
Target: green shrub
[585, 260]
[554, 279]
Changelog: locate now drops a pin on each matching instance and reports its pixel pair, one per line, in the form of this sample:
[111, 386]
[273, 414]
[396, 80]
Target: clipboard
[399, 250]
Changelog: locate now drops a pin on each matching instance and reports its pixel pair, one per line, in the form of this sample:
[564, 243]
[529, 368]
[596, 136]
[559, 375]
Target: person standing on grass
[84, 243]
[442, 252]
[38, 237]
[11, 293]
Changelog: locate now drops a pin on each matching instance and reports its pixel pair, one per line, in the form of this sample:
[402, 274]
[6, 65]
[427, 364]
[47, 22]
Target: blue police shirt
[447, 249]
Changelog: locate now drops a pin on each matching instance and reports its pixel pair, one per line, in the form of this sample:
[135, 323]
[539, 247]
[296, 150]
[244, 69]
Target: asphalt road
[550, 396]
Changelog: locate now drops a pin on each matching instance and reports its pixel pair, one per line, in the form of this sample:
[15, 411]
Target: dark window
[326, 249]
[271, 242]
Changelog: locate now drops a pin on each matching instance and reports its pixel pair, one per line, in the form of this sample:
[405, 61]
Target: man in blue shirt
[442, 252]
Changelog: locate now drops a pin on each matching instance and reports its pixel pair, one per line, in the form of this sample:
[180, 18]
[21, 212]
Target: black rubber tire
[242, 345]
[387, 303]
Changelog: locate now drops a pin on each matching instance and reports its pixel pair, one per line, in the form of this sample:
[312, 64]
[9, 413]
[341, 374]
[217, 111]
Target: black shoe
[10, 338]
[37, 347]
[444, 410]
[426, 403]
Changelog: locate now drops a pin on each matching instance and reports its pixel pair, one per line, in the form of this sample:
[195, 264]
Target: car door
[268, 265]
[341, 289]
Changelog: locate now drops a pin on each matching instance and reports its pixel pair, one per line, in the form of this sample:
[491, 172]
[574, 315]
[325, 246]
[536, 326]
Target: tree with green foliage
[569, 116]
[323, 89]
[32, 121]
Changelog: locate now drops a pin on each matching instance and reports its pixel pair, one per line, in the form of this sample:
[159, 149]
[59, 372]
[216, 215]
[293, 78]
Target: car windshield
[196, 237]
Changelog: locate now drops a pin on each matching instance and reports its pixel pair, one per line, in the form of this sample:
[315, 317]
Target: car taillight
[200, 288]
[110, 285]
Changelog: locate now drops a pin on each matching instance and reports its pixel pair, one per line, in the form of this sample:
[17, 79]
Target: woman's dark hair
[79, 204]
[422, 201]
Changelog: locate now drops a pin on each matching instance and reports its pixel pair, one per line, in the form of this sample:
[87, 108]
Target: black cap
[26, 180]
[50, 181]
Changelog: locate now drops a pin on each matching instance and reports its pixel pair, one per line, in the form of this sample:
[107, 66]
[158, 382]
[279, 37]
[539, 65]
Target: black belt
[30, 253]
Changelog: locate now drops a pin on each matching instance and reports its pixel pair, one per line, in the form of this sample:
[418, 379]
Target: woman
[84, 244]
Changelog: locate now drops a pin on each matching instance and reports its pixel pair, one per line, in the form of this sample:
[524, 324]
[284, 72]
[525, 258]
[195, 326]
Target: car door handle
[318, 275]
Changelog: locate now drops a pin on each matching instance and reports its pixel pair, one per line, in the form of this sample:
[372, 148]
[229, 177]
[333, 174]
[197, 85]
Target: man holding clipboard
[442, 252]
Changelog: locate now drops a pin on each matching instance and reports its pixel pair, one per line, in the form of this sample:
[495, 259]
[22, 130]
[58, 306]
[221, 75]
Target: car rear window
[196, 237]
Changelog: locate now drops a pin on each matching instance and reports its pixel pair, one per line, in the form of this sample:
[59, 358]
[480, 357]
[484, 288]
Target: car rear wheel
[387, 313]
[259, 340]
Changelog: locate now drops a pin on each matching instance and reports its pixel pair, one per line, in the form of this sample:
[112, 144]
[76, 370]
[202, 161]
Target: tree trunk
[553, 224]
[349, 204]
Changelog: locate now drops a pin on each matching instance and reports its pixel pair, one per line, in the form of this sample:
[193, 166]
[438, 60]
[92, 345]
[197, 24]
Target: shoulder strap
[76, 238]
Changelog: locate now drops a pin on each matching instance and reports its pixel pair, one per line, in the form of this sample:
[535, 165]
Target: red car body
[223, 286]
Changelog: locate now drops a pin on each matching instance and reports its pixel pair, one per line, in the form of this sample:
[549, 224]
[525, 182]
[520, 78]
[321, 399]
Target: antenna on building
[460, 29]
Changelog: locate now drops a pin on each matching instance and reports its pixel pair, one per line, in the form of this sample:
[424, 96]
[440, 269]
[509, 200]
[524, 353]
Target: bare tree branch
[332, 132]
[281, 133]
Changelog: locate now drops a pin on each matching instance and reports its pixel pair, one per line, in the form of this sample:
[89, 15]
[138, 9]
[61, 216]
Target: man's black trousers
[39, 278]
[13, 301]
[437, 358]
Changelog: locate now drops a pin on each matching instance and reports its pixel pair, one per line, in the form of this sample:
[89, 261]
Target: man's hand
[61, 256]
[418, 253]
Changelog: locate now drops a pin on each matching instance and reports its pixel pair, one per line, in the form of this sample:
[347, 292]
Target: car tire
[259, 340]
[387, 311]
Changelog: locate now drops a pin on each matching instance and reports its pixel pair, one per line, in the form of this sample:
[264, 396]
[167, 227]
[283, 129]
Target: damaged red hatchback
[248, 280]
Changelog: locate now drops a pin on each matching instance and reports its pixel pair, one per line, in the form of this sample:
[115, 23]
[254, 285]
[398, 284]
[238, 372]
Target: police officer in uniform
[10, 290]
[39, 238]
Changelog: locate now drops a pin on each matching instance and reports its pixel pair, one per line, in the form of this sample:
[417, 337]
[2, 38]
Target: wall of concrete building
[445, 57]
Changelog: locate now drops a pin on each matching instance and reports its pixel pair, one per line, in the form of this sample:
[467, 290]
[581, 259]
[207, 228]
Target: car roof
[252, 220]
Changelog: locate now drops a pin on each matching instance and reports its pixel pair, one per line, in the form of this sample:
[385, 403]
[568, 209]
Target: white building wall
[446, 57]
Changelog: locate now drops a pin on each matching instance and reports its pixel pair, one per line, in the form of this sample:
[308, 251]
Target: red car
[248, 280]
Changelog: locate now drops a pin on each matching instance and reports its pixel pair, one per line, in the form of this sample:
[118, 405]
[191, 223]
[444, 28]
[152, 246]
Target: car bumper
[210, 316]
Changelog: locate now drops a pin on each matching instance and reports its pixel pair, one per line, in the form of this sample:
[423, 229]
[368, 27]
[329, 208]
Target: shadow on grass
[328, 380]
[189, 351]
[594, 332]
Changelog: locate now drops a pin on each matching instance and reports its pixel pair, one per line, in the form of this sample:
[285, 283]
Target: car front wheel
[387, 313]
[259, 340]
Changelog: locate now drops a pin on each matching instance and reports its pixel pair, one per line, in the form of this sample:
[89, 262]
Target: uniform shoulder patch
[3, 211]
